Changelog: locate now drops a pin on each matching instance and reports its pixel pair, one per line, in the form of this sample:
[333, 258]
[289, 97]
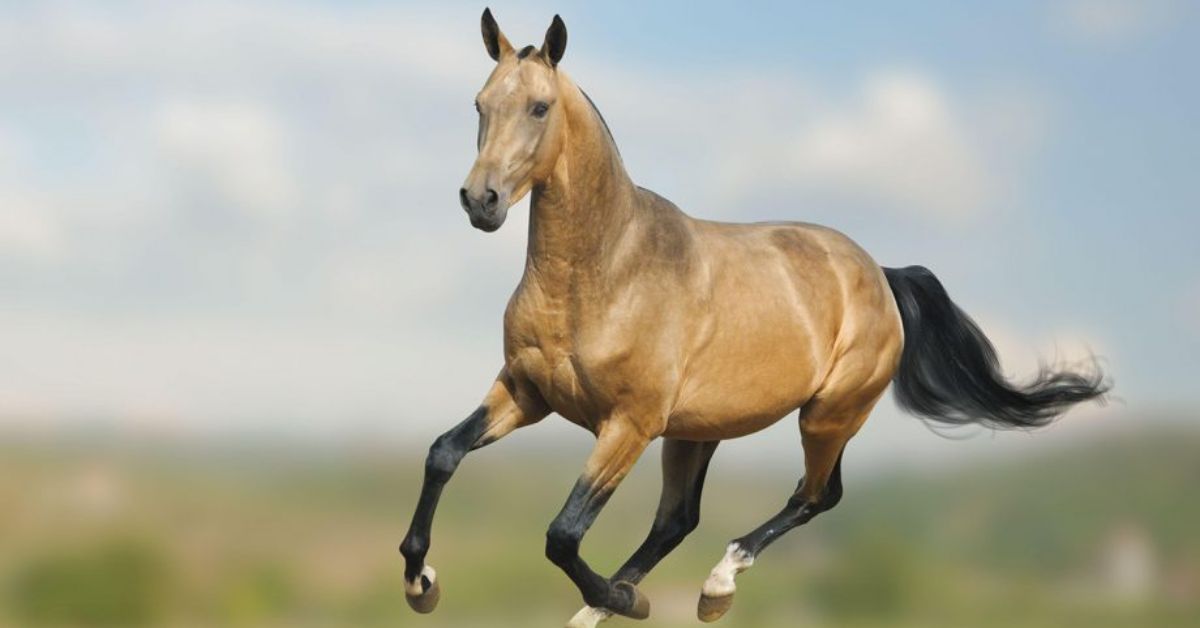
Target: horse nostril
[462, 198]
[491, 198]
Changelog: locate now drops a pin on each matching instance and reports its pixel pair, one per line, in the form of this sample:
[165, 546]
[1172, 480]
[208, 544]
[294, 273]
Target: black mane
[602, 120]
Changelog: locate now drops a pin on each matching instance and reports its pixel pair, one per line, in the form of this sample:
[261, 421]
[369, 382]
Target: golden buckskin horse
[636, 322]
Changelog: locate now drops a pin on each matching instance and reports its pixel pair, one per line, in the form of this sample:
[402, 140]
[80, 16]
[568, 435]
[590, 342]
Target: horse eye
[539, 109]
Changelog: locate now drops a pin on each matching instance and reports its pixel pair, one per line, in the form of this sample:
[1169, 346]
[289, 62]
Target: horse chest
[538, 350]
[553, 372]
[561, 358]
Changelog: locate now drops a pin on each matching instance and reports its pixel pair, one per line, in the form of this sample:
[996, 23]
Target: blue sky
[242, 215]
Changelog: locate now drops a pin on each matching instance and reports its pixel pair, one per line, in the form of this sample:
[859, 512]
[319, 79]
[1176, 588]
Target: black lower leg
[562, 546]
[685, 465]
[798, 511]
[444, 456]
[663, 538]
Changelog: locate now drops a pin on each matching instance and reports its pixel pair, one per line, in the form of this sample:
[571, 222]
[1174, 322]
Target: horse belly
[699, 425]
[749, 389]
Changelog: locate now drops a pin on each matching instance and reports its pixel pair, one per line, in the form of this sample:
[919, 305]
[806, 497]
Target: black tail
[949, 372]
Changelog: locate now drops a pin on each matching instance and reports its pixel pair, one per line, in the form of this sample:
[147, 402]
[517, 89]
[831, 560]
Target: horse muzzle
[486, 211]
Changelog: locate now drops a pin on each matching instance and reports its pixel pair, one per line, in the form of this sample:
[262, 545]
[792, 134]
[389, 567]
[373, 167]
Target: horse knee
[562, 544]
[449, 449]
[444, 456]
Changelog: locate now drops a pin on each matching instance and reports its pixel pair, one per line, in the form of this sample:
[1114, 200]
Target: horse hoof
[640, 607]
[588, 617]
[711, 609]
[423, 594]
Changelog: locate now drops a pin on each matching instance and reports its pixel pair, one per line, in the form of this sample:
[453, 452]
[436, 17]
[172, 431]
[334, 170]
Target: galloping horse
[636, 322]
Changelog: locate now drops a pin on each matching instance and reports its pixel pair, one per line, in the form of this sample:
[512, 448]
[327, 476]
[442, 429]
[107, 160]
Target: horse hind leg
[825, 429]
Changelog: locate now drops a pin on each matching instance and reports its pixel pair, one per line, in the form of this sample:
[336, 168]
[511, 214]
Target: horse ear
[556, 41]
[496, 43]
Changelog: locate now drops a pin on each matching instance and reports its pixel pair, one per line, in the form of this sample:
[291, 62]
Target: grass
[115, 533]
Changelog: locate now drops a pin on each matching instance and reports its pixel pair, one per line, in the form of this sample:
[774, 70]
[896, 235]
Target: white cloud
[202, 372]
[236, 150]
[223, 43]
[1113, 21]
[398, 284]
[28, 230]
[901, 143]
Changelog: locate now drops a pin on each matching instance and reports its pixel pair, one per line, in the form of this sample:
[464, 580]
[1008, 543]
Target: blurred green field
[108, 532]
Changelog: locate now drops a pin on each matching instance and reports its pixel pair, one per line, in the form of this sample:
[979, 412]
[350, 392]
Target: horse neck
[588, 201]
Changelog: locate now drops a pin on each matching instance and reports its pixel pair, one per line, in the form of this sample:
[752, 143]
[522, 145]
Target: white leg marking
[414, 588]
[720, 581]
[588, 617]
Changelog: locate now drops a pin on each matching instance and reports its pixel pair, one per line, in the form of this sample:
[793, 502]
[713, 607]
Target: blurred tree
[117, 583]
[876, 578]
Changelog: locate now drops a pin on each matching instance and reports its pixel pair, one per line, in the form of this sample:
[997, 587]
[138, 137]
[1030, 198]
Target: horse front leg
[504, 409]
[618, 446]
[684, 465]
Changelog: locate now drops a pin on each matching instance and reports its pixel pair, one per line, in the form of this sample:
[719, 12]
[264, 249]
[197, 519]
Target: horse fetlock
[423, 591]
[630, 602]
[414, 548]
[717, 595]
[720, 581]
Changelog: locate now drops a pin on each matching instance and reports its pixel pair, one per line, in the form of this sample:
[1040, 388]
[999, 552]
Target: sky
[242, 216]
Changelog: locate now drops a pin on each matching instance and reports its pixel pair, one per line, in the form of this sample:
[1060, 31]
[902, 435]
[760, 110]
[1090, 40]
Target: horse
[636, 322]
